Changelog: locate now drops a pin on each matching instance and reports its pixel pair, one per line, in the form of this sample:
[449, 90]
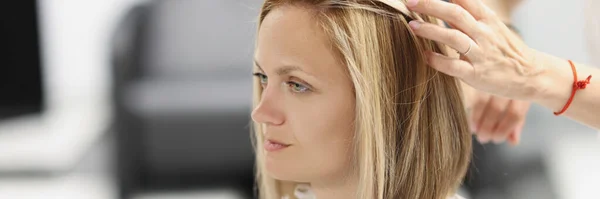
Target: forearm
[556, 85]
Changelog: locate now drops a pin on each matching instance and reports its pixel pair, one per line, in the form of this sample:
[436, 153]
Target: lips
[273, 145]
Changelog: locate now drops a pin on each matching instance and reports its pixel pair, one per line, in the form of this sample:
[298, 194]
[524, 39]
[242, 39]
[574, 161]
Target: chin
[284, 172]
[279, 171]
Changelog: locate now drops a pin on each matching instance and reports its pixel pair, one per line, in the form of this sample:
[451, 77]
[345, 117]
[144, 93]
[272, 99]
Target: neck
[339, 189]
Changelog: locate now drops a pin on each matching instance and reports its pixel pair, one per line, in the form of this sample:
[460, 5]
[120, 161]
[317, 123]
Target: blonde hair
[411, 136]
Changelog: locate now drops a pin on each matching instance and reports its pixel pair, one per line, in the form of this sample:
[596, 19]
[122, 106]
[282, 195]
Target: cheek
[325, 134]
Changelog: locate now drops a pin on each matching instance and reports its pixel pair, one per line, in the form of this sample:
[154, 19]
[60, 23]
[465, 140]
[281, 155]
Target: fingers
[476, 7]
[515, 137]
[498, 119]
[450, 66]
[448, 12]
[451, 37]
[512, 118]
[493, 113]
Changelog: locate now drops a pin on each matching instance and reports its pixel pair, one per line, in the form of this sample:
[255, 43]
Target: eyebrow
[284, 70]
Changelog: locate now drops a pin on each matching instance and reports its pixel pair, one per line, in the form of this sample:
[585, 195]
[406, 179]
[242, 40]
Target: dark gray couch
[182, 94]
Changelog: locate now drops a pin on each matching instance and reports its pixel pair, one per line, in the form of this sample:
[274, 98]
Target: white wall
[75, 43]
[555, 27]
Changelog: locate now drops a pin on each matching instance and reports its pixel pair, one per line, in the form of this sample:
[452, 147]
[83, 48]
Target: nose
[268, 111]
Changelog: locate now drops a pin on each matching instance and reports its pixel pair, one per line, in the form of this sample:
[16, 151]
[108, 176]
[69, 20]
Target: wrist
[555, 81]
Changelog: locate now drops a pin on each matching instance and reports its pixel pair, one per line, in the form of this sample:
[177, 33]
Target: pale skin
[502, 8]
[491, 117]
[501, 64]
[301, 77]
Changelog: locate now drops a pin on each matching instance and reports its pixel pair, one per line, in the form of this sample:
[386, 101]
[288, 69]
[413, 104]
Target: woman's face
[307, 100]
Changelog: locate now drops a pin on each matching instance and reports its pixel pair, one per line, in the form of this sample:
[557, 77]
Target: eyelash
[289, 83]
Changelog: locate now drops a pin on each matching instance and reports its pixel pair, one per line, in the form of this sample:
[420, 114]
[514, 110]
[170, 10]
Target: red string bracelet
[576, 86]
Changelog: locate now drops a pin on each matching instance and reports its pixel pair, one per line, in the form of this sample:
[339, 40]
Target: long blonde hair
[411, 136]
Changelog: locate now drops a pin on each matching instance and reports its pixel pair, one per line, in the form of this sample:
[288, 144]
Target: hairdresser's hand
[502, 8]
[496, 119]
[493, 59]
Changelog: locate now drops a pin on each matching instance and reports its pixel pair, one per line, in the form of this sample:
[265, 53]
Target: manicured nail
[411, 3]
[414, 24]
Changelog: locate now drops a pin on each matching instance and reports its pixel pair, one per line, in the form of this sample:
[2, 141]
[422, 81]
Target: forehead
[291, 35]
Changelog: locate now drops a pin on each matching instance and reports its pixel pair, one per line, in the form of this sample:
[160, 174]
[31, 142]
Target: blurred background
[144, 99]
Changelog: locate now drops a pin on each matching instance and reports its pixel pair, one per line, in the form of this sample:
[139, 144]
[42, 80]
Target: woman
[345, 106]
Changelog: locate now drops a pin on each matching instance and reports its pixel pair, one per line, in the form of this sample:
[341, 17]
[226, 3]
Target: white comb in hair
[400, 6]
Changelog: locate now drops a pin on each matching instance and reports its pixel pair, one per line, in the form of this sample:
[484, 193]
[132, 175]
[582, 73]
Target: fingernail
[513, 140]
[411, 3]
[414, 24]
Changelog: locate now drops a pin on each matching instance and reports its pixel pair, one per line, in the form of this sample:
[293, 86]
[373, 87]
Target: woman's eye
[297, 88]
[263, 78]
